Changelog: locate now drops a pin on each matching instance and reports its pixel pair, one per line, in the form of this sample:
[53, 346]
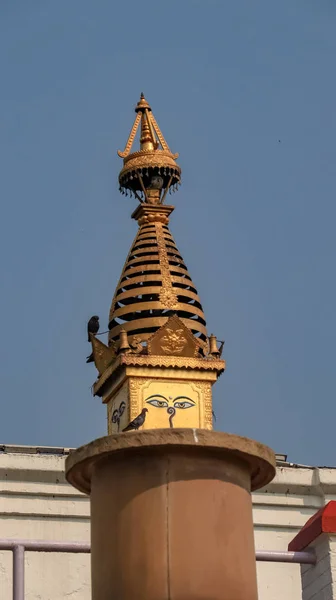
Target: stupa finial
[153, 166]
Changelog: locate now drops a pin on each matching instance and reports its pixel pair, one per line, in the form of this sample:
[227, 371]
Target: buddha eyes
[161, 402]
[184, 404]
[158, 403]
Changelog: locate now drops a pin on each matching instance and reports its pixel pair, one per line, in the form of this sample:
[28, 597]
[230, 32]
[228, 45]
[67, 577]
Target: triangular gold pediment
[173, 339]
[103, 355]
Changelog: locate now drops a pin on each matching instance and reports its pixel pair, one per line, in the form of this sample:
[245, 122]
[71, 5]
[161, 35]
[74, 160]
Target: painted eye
[183, 404]
[158, 403]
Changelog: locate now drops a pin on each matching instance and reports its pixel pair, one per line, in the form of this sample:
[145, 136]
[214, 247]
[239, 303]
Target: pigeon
[93, 326]
[214, 416]
[90, 359]
[138, 421]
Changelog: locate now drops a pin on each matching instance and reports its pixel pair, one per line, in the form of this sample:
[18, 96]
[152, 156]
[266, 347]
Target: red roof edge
[324, 521]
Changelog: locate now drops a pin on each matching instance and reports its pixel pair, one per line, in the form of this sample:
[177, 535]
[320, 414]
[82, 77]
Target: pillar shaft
[171, 514]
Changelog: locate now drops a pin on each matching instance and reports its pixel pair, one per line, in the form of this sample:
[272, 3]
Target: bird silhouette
[93, 326]
[90, 359]
[138, 421]
[220, 349]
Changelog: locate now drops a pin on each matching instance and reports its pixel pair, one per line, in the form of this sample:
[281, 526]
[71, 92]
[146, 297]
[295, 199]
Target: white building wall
[37, 503]
[279, 512]
[319, 581]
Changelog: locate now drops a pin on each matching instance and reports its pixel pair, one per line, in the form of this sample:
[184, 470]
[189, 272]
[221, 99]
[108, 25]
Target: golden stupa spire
[154, 283]
[159, 357]
[153, 166]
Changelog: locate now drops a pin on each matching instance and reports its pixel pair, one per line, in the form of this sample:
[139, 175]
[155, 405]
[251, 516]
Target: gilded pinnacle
[153, 166]
[142, 104]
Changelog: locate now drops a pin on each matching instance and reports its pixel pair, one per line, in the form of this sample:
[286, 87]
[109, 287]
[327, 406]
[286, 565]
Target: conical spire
[154, 285]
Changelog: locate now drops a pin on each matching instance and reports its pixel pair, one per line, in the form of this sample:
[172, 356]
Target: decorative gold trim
[134, 397]
[103, 355]
[173, 339]
[206, 393]
[144, 160]
[167, 295]
[202, 364]
[148, 143]
[152, 132]
[152, 212]
[131, 137]
[161, 138]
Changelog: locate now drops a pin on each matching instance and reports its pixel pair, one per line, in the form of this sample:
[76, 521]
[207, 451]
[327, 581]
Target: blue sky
[246, 93]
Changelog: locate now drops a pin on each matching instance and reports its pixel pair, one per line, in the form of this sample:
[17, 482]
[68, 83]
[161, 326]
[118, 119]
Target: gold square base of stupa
[175, 394]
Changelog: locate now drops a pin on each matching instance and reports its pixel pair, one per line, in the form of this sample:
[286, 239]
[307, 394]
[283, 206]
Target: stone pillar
[171, 513]
[319, 536]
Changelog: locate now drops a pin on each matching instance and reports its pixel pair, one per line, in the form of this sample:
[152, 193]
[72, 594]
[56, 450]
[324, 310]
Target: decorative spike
[159, 134]
[131, 137]
[146, 140]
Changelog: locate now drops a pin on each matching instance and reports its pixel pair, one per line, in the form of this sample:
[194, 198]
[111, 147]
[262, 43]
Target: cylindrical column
[171, 514]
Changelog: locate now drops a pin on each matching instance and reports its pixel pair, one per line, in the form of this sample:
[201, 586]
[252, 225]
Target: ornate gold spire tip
[150, 172]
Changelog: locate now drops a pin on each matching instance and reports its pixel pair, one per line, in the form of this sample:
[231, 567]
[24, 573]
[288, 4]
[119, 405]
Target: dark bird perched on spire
[90, 359]
[138, 421]
[93, 326]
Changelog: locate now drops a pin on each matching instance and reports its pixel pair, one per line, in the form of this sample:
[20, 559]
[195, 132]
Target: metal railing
[19, 547]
